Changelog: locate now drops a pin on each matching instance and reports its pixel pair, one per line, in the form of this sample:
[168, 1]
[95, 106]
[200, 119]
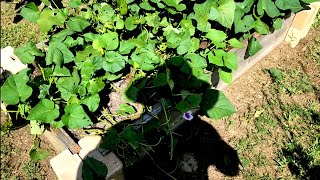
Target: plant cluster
[169, 49]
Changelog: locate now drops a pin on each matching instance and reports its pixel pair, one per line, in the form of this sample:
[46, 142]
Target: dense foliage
[169, 49]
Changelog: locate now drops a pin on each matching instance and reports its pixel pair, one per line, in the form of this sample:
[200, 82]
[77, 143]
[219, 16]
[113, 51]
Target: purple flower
[187, 116]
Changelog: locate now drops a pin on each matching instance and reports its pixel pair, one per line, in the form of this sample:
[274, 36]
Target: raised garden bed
[65, 98]
[62, 140]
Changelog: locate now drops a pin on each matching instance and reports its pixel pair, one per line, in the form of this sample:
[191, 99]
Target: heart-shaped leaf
[45, 111]
[75, 117]
[15, 88]
[216, 105]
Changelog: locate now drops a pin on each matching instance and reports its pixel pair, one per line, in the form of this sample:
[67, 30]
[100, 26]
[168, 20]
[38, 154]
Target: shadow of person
[199, 146]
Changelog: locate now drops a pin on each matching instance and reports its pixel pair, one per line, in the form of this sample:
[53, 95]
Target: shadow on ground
[198, 147]
[299, 163]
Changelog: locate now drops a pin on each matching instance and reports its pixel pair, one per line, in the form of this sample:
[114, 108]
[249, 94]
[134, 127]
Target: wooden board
[61, 140]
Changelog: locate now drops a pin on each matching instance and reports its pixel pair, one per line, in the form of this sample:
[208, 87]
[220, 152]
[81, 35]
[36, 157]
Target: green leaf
[60, 36]
[46, 2]
[44, 91]
[196, 61]
[217, 57]
[185, 45]
[123, 7]
[95, 85]
[15, 88]
[112, 77]
[125, 109]
[153, 20]
[276, 74]
[146, 6]
[90, 37]
[114, 62]
[235, 43]
[293, 5]
[130, 23]
[59, 54]
[67, 87]
[225, 75]
[253, 46]
[194, 100]
[75, 117]
[30, 12]
[35, 128]
[226, 11]
[183, 106]
[77, 23]
[176, 4]
[108, 41]
[246, 5]
[37, 155]
[195, 43]
[243, 25]
[58, 71]
[199, 74]
[160, 80]
[45, 111]
[270, 8]
[216, 105]
[92, 102]
[131, 94]
[261, 27]
[74, 3]
[49, 18]
[217, 37]
[119, 22]
[132, 137]
[111, 140]
[205, 12]
[93, 169]
[231, 60]
[186, 25]
[27, 53]
[177, 60]
[277, 24]
[146, 59]
[70, 42]
[126, 47]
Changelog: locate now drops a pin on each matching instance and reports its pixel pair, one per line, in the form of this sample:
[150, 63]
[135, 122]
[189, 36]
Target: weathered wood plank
[60, 140]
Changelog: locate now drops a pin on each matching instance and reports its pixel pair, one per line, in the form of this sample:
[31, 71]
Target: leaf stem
[116, 88]
[169, 129]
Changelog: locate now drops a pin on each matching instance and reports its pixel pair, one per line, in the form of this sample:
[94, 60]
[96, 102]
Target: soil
[15, 160]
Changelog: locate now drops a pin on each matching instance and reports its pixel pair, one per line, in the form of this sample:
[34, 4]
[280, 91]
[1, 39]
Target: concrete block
[88, 144]
[112, 162]
[301, 24]
[66, 165]
[10, 62]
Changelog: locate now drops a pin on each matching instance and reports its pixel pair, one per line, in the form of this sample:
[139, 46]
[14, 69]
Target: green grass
[295, 134]
[284, 143]
[291, 81]
[15, 34]
[313, 51]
